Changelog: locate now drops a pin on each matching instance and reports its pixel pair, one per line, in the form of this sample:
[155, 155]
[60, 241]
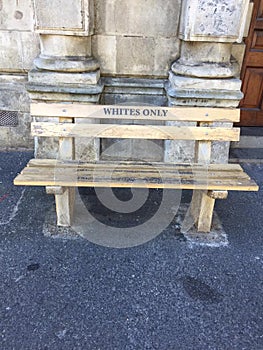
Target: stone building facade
[174, 52]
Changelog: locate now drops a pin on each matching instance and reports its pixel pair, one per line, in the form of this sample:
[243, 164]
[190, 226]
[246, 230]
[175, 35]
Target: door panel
[252, 71]
[257, 42]
[253, 81]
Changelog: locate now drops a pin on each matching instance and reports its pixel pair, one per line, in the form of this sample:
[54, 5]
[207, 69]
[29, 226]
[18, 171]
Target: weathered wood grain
[134, 131]
[77, 110]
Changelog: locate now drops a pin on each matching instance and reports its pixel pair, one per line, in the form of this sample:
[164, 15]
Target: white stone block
[104, 48]
[167, 50]
[18, 49]
[135, 55]
[16, 15]
[137, 17]
[213, 20]
[67, 17]
[65, 45]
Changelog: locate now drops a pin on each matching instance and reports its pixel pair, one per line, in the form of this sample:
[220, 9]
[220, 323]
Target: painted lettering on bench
[146, 112]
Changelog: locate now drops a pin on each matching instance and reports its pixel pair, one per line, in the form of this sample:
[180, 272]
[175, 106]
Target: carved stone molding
[71, 17]
[213, 20]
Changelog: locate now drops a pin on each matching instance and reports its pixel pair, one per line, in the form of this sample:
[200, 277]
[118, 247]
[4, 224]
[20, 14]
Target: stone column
[65, 70]
[206, 74]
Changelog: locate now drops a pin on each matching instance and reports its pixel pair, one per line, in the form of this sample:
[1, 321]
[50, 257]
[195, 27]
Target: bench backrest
[107, 123]
[204, 130]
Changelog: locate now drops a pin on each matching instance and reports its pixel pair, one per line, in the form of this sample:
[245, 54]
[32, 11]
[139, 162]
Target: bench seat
[51, 172]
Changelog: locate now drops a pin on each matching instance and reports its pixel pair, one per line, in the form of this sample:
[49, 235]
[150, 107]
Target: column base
[66, 64]
[203, 91]
[43, 77]
[65, 92]
[206, 70]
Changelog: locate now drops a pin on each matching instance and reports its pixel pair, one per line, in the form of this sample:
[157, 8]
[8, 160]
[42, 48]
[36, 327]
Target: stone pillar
[206, 74]
[65, 69]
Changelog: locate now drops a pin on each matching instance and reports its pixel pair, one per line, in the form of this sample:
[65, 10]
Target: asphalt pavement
[71, 294]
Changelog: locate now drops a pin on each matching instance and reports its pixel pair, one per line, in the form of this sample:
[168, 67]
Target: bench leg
[65, 206]
[206, 213]
[202, 207]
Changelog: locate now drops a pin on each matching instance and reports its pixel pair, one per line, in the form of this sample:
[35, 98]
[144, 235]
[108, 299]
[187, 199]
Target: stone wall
[140, 37]
[19, 45]
[118, 51]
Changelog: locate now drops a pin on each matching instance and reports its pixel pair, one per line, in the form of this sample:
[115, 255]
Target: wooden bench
[208, 181]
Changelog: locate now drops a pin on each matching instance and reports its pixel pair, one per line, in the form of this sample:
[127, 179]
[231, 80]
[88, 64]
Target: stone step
[248, 142]
[250, 147]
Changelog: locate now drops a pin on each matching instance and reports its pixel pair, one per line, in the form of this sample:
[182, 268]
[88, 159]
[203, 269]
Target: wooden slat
[101, 168]
[85, 178]
[135, 131]
[135, 112]
[130, 164]
[148, 170]
[71, 172]
[223, 185]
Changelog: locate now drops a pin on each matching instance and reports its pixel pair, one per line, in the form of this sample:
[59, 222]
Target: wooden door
[252, 71]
